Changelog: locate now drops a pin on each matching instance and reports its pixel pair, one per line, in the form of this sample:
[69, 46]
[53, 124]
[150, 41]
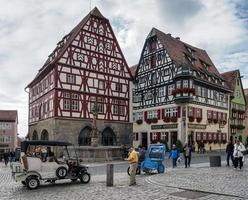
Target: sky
[30, 30]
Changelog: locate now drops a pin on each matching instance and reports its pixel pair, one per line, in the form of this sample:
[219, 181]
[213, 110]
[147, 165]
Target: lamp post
[94, 134]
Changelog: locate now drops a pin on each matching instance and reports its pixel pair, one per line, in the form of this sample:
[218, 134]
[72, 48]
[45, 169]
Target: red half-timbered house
[86, 68]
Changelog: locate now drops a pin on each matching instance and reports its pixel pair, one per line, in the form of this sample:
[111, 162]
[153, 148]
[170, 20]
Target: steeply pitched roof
[66, 41]
[178, 50]
[8, 115]
[133, 70]
[230, 78]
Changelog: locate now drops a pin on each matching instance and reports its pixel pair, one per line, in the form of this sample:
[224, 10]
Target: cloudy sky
[30, 30]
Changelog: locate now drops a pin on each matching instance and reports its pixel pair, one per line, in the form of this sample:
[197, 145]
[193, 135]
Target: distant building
[178, 94]
[237, 105]
[87, 68]
[246, 116]
[8, 130]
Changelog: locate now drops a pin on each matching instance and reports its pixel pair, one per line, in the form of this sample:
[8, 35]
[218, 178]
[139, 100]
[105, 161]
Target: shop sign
[197, 126]
[163, 126]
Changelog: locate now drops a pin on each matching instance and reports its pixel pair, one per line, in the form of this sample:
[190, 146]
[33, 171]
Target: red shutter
[163, 113]
[178, 112]
[145, 115]
[158, 136]
[158, 114]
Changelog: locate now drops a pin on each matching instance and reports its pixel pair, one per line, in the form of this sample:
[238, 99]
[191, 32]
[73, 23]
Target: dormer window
[191, 60]
[191, 51]
[205, 65]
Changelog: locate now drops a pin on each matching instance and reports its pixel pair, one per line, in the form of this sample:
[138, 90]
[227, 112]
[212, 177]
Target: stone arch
[35, 135]
[108, 137]
[44, 135]
[84, 138]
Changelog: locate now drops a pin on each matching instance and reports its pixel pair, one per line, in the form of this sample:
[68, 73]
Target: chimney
[178, 38]
[169, 34]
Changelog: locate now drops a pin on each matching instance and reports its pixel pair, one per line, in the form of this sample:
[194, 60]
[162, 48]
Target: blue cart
[153, 162]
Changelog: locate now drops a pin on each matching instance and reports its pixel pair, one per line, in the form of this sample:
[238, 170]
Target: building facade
[237, 106]
[8, 131]
[178, 94]
[246, 117]
[87, 71]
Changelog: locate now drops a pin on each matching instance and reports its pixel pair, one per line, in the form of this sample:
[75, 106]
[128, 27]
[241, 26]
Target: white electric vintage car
[36, 167]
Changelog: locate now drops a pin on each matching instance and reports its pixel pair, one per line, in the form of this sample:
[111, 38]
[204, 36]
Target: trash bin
[215, 161]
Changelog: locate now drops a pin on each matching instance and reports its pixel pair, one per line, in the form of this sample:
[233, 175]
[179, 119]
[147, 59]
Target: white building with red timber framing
[86, 67]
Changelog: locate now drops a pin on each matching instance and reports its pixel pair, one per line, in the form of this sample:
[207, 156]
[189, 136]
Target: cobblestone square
[198, 182]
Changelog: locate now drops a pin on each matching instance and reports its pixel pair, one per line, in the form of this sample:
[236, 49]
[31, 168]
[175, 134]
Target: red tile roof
[178, 51]
[230, 78]
[8, 115]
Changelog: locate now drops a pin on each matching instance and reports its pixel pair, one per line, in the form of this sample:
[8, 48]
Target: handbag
[243, 159]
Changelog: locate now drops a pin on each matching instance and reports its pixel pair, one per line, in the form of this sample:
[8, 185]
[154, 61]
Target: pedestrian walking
[187, 154]
[6, 158]
[238, 154]
[229, 152]
[132, 160]
[174, 155]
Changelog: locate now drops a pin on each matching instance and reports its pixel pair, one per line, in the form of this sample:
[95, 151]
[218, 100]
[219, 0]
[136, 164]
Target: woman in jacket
[174, 155]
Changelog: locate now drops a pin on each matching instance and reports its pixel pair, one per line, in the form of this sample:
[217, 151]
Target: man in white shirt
[239, 148]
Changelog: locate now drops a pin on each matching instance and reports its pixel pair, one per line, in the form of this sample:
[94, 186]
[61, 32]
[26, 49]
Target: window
[161, 91]
[100, 105]
[74, 96]
[66, 95]
[185, 84]
[152, 114]
[119, 108]
[101, 85]
[178, 84]
[173, 112]
[153, 78]
[167, 112]
[164, 136]
[66, 104]
[118, 87]
[170, 88]
[154, 136]
[74, 105]
[92, 103]
[71, 78]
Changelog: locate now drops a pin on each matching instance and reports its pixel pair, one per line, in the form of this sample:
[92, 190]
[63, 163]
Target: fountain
[95, 152]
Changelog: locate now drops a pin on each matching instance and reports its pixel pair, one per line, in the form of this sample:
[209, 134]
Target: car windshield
[71, 153]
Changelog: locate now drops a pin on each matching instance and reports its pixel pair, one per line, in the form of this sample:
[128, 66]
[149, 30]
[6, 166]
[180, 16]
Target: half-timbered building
[237, 106]
[178, 94]
[86, 70]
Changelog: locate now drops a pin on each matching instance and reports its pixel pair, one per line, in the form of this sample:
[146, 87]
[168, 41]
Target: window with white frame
[75, 105]
[152, 114]
[71, 78]
[173, 112]
[92, 103]
[185, 84]
[161, 91]
[178, 84]
[167, 112]
[164, 136]
[140, 115]
[66, 104]
[154, 136]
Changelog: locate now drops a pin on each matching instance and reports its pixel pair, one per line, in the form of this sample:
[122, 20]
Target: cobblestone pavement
[198, 182]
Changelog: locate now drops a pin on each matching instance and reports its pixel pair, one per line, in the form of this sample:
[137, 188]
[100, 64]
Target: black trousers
[238, 162]
[187, 160]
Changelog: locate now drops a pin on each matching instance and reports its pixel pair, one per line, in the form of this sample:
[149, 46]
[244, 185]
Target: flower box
[215, 121]
[139, 121]
[198, 120]
[191, 119]
[166, 119]
[186, 90]
[173, 119]
[240, 127]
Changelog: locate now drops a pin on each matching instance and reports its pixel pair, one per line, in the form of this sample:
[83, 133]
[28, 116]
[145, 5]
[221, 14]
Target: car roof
[26, 143]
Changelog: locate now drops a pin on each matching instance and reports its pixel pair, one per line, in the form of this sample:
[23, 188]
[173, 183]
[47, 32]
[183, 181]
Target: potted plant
[139, 121]
[166, 119]
[191, 119]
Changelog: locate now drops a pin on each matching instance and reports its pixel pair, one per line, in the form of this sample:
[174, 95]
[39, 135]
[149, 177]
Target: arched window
[44, 135]
[108, 137]
[35, 135]
[84, 138]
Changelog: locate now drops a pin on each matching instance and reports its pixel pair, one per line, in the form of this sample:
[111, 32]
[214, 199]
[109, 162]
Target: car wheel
[32, 182]
[61, 172]
[85, 177]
